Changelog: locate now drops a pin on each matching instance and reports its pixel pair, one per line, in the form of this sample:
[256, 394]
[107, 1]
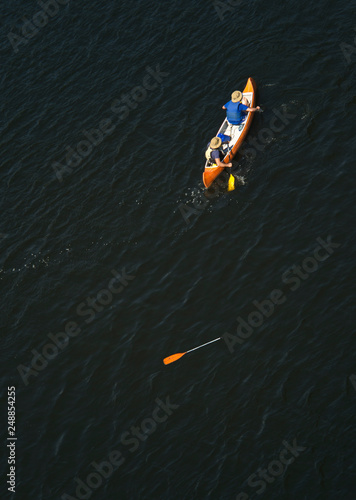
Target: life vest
[233, 113]
[208, 153]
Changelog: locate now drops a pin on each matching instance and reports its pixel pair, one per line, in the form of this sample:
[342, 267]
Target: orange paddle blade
[173, 358]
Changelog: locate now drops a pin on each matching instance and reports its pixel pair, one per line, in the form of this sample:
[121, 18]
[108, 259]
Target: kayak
[237, 134]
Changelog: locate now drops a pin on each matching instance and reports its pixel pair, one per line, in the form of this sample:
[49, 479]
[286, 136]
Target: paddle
[175, 357]
[231, 184]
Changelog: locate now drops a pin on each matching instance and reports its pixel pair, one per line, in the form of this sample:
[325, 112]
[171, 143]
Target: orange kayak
[237, 133]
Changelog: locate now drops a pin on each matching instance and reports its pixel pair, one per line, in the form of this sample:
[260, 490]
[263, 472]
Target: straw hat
[236, 96]
[215, 143]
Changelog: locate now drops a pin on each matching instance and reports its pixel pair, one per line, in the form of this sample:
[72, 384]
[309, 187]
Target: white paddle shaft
[199, 346]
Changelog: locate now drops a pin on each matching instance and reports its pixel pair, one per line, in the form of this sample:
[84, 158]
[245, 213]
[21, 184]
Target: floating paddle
[175, 357]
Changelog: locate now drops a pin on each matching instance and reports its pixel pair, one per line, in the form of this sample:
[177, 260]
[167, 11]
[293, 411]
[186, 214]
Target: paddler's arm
[253, 109]
[223, 107]
[222, 164]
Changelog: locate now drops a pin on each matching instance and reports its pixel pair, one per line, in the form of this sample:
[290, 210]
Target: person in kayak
[214, 153]
[237, 108]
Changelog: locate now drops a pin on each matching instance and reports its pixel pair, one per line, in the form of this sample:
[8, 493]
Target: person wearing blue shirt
[214, 153]
[237, 108]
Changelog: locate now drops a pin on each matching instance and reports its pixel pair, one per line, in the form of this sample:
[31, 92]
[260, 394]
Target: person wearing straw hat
[214, 153]
[237, 108]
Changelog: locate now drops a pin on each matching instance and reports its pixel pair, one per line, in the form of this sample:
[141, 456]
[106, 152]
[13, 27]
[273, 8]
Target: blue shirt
[215, 153]
[235, 112]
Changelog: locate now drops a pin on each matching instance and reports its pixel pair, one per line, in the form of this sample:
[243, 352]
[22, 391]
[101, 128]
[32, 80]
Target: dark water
[121, 208]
